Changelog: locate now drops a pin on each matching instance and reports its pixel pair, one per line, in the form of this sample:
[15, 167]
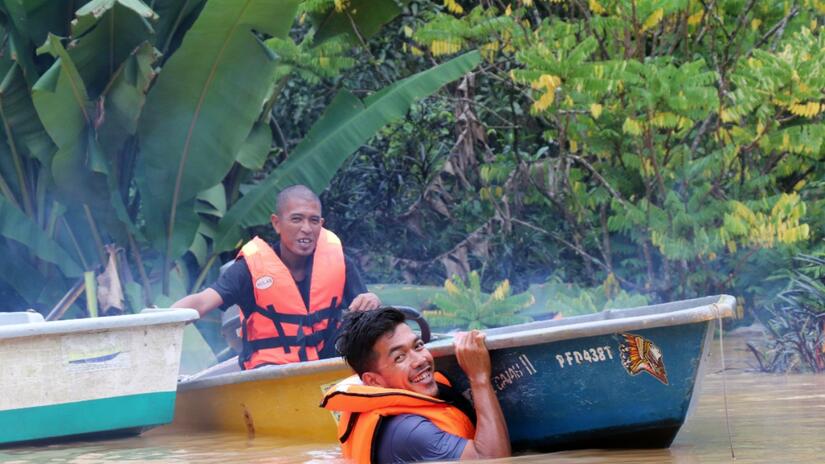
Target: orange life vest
[363, 407]
[281, 328]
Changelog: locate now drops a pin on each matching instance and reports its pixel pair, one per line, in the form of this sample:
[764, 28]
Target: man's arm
[491, 439]
[203, 301]
[356, 292]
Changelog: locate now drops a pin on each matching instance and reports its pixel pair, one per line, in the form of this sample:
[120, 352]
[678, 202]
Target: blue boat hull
[582, 393]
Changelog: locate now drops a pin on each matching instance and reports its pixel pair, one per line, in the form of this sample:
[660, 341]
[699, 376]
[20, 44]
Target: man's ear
[373, 379]
[274, 220]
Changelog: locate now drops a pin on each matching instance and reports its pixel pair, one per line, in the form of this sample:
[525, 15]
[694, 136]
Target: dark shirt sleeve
[235, 285]
[412, 438]
[354, 286]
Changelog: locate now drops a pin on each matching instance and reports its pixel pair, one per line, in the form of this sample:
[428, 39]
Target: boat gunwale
[149, 317]
[605, 322]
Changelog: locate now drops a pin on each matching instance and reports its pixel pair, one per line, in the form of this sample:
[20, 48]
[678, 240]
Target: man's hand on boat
[473, 357]
[491, 439]
[365, 302]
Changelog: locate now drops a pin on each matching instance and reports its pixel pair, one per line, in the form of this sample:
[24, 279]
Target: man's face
[402, 362]
[298, 222]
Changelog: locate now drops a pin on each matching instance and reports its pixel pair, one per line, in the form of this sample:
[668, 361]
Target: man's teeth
[424, 376]
[304, 240]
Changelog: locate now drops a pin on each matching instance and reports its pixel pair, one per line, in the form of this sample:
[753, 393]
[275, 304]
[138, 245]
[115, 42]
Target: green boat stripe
[106, 414]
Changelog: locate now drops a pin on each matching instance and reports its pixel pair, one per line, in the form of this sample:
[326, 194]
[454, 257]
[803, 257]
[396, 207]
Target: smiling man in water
[291, 293]
[397, 408]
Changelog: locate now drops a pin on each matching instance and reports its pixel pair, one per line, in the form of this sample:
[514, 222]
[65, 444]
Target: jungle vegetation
[136, 135]
[667, 149]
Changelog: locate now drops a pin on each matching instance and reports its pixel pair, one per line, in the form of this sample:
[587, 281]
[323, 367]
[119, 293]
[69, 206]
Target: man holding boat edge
[397, 408]
[291, 293]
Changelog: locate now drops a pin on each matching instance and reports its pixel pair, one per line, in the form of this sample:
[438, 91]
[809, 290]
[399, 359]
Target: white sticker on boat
[585, 356]
[263, 282]
[106, 352]
[514, 372]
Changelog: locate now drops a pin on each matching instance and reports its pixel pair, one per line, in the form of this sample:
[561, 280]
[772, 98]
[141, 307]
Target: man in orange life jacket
[291, 293]
[399, 409]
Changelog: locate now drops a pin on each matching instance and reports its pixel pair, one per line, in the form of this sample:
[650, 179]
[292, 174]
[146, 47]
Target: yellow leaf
[408, 32]
[509, 10]
[453, 7]
[596, 7]
[653, 19]
[545, 101]
[632, 127]
[596, 110]
[444, 47]
[489, 50]
[502, 291]
[451, 287]
[574, 146]
[808, 110]
[547, 81]
[755, 23]
[340, 5]
[696, 18]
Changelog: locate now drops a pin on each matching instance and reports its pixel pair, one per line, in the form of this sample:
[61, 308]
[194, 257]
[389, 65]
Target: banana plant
[465, 306]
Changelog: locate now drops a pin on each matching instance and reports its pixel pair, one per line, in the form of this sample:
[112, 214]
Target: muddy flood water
[773, 418]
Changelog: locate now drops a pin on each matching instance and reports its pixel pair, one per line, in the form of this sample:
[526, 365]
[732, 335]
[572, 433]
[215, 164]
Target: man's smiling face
[402, 361]
[299, 223]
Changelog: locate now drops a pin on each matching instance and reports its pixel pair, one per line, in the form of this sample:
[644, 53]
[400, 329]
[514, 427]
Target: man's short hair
[360, 331]
[295, 191]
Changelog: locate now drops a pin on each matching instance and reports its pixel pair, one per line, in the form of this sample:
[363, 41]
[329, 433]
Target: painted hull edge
[649, 436]
[113, 416]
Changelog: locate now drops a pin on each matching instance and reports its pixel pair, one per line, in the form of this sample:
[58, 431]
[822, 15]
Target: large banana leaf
[14, 225]
[201, 109]
[366, 15]
[64, 108]
[28, 24]
[24, 278]
[175, 17]
[107, 32]
[22, 125]
[343, 128]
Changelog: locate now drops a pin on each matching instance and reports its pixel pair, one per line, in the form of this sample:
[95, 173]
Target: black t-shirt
[235, 284]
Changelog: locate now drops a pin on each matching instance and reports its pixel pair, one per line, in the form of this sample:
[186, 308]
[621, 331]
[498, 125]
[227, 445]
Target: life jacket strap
[307, 319]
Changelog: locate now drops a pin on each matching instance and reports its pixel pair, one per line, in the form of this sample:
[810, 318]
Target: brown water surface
[773, 418]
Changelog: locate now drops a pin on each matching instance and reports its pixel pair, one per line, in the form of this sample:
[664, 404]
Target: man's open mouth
[425, 376]
[305, 241]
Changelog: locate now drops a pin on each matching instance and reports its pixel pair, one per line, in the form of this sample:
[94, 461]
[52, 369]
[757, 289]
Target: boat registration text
[584, 356]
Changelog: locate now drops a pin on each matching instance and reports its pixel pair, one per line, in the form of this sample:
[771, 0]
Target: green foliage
[672, 146]
[150, 135]
[558, 298]
[465, 306]
[420, 297]
[797, 321]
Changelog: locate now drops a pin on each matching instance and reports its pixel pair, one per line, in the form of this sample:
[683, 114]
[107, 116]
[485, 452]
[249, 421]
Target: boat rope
[725, 383]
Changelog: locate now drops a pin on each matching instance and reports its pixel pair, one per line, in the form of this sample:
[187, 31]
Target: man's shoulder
[410, 437]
